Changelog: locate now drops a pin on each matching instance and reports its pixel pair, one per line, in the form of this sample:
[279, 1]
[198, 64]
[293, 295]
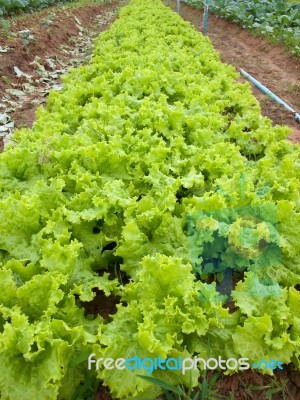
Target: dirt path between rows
[272, 65]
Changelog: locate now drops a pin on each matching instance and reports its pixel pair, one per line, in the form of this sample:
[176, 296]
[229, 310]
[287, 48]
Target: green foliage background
[11, 7]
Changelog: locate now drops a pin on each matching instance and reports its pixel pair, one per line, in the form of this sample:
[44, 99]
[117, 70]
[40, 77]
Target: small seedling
[5, 26]
[27, 37]
[48, 20]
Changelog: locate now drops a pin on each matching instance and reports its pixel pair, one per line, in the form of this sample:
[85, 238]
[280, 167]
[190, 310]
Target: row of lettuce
[154, 161]
[277, 19]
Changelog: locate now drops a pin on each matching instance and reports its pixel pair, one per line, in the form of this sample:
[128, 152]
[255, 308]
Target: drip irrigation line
[205, 16]
[272, 95]
[178, 7]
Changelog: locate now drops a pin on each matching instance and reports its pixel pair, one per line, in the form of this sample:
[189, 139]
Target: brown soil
[25, 116]
[272, 65]
[103, 394]
[106, 306]
[102, 305]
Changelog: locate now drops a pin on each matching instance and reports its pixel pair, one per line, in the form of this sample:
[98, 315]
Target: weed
[27, 37]
[275, 386]
[205, 390]
[5, 26]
